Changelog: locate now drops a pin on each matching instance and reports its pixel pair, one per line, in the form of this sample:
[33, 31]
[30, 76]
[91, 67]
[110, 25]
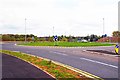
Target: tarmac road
[104, 66]
[15, 68]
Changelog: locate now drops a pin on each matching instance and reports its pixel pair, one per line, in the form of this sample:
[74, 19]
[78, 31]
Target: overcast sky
[69, 17]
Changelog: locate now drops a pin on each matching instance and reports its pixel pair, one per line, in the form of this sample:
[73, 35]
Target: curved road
[15, 68]
[104, 66]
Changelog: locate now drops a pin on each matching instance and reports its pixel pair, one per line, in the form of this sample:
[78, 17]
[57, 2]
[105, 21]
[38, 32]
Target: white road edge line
[99, 62]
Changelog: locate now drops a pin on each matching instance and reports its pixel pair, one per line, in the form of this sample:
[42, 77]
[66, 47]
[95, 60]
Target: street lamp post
[53, 35]
[103, 29]
[25, 30]
[103, 26]
[53, 30]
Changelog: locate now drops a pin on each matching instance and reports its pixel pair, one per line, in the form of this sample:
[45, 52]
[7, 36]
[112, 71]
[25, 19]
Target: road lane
[73, 58]
[94, 61]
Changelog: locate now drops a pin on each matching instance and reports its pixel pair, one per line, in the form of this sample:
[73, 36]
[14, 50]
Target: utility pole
[25, 30]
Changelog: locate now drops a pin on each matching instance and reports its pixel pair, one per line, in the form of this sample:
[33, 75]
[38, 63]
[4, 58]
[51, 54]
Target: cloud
[70, 17]
[66, 4]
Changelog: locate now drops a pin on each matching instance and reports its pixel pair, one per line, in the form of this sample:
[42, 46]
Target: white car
[84, 40]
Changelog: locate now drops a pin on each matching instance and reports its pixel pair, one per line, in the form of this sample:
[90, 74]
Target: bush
[64, 39]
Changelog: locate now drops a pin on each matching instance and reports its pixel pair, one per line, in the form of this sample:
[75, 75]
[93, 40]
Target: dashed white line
[99, 62]
[60, 53]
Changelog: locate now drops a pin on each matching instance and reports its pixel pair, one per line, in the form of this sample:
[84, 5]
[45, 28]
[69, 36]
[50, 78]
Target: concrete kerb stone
[62, 47]
[69, 67]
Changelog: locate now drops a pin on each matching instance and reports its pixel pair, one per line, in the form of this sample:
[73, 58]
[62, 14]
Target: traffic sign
[104, 35]
[116, 48]
[55, 37]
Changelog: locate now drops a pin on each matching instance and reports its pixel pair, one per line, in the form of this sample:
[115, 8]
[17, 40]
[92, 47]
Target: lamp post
[103, 28]
[25, 30]
[53, 35]
[53, 30]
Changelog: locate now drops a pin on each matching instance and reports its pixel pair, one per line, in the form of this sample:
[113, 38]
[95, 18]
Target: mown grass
[56, 70]
[66, 44]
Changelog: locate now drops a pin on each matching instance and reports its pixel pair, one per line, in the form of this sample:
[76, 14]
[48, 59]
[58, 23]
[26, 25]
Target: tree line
[16, 37]
[116, 34]
[31, 37]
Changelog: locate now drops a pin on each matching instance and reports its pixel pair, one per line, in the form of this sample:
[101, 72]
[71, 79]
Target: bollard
[116, 48]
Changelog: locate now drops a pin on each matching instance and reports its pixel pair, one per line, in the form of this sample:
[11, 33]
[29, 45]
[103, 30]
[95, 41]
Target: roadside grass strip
[66, 44]
[58, 70]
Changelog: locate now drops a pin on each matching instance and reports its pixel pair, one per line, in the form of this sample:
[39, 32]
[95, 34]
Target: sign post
[25, 31]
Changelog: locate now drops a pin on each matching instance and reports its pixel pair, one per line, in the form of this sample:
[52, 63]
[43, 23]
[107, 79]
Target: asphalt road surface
[15, 68]
[99, 64]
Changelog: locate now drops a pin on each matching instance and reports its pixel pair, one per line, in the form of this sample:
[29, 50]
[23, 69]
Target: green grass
[66, 44]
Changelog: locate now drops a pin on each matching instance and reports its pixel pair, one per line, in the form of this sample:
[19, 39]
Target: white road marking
[60, 53]
[99, 62]
[16, 51]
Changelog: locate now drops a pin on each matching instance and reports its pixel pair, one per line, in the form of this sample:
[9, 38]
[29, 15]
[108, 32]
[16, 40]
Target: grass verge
[66, 44]
[55, 70]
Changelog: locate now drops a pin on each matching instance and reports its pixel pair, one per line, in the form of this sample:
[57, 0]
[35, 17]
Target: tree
[64, 39]
[0, 37]
[42, 39]
[116, 34]
[36, 38]
[70, 39]
[50, 39]
[5, 38]
[29, 39]
[93, 37]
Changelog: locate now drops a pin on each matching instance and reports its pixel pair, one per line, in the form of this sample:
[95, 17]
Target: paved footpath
[15, 68]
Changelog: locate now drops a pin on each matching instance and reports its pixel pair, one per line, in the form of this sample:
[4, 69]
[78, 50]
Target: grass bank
[66, 44]
[56, 70]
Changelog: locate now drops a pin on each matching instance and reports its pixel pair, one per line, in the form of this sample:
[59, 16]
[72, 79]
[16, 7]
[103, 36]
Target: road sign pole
[103, 26]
